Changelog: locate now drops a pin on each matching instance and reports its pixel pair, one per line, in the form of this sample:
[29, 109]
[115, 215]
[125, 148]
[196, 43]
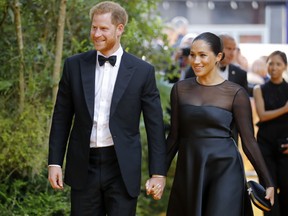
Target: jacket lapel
[125, 73]
[231, 74]
[87, 68]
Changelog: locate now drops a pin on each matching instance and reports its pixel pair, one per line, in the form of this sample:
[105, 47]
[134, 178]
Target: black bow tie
[102, 60]
[223, 68]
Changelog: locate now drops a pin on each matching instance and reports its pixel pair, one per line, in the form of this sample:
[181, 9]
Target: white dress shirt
[224, 73]
[104, 86]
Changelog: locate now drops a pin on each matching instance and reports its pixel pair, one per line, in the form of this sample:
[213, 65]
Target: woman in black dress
[271, 100]
[209, 178]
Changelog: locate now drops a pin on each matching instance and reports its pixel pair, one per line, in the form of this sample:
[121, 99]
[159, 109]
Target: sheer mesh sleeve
[172, 139]
[243, 117]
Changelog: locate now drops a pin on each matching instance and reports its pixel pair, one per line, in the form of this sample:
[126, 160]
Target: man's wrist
[54, 165]
[158, 176]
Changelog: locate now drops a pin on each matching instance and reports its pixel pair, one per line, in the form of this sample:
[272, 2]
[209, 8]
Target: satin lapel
[87, 68]
[123, 78]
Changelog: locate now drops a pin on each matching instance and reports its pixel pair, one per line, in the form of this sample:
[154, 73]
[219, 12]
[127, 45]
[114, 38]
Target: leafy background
[26, 96]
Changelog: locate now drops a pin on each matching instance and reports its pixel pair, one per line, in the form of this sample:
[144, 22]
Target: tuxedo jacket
[135, 92]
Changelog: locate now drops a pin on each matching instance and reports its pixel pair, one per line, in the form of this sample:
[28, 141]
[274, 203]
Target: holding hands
[155, 186]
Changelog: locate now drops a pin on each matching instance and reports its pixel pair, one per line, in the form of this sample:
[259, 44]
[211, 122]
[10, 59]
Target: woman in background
[271, 101]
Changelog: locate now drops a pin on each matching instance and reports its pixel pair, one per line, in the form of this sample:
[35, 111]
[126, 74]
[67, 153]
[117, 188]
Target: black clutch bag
[257, 195]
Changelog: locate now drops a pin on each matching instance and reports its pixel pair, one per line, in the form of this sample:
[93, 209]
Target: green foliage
[22, 137]
[164, 89]
[5, 85]
[20, 197]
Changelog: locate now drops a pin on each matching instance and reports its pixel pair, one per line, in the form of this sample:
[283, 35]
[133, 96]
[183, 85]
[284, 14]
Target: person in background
[271, 101]
[259, 67]
[95, 122]
[183, 60]
[180, 25]
[209, 177]
[180, 59]
[228, 70]
[185, 53]
[240, 60]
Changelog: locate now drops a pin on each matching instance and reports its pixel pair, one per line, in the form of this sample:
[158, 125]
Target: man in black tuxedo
[96, 123]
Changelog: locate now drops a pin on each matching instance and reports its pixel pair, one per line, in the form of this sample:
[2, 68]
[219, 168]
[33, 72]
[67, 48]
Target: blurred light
[211, 5]
[233, 5]
[189, 4]
[255, 5]
[165, 5]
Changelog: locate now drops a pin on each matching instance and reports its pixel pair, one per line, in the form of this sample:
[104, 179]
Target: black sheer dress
[209, 178]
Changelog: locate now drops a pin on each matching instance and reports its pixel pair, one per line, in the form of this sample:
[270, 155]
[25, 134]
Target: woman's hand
[270, 195]
[155, 186]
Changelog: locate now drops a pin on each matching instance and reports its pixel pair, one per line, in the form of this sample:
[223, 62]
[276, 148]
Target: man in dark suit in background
[96, 123]
[228, 70]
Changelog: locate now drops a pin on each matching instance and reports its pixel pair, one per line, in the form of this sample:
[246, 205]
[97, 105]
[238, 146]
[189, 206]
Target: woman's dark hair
[213, 41]
[281, 54]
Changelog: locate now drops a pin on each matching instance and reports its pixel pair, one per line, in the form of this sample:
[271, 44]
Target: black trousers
[105, 193]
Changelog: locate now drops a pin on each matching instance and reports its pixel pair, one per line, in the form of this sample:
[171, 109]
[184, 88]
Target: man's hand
[55, 177]
[155, 186]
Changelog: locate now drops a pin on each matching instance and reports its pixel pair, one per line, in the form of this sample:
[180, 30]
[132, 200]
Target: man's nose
[96, 32]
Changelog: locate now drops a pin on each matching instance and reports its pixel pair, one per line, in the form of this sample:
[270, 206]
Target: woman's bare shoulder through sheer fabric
[229, 96]
[222, 95]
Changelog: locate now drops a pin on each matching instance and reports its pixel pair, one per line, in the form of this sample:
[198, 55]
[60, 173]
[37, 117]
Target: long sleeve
[62, 120]
[152, 113]
[172, 139]
[243, 118]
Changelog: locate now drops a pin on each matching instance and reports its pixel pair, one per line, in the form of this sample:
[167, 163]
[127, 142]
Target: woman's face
[276, 67]
[203, 60]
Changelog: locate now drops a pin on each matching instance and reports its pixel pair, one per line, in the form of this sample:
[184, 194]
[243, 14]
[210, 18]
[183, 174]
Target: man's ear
[120, 29]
